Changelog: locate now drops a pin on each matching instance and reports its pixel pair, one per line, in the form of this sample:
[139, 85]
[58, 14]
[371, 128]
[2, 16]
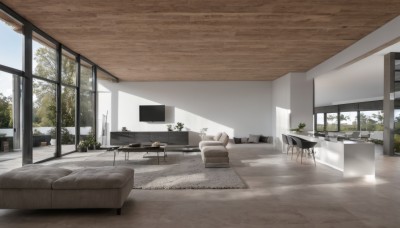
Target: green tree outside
[44, 107]
[6, 115]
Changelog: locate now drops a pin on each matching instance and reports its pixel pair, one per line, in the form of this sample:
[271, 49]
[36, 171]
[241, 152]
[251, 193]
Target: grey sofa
[44, 187]
[214, 153]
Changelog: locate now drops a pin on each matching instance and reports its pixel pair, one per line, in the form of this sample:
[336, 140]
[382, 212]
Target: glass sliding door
[68, 99]
[44, 120]
[69, 68]
[87, 111]
[11, 115]
[11, 101]
[44, 68]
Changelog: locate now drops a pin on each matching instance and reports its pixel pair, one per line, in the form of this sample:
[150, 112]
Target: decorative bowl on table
[155, 144]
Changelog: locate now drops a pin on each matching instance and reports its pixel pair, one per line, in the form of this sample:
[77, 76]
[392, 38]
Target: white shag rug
[179, 171]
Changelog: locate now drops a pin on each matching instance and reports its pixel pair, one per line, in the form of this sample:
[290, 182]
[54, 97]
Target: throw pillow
[244, 140]
[254, 138]
[224, 139]
[217, 136]
[237, 140]
[264, 139]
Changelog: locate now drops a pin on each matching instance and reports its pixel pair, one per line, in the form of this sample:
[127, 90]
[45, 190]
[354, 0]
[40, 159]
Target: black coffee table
[142, 148]
[190, 149]
[182, 148]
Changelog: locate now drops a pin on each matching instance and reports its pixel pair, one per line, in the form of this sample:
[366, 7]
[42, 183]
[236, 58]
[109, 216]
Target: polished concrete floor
[13, 159]
[281, 193]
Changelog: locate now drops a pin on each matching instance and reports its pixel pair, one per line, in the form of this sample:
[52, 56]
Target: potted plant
[179, 126]
[97, 146]
[300, 127]
[203, 133]
[169, 127]
[91, 141]
[83, 146]
[52, 133]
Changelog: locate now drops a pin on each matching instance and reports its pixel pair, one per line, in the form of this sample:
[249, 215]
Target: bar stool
[303, 144]
[291, 143]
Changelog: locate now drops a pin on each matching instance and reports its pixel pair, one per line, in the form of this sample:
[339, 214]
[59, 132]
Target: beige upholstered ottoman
[102, 187]
[37, 186]
[215, 156]
[29, 187]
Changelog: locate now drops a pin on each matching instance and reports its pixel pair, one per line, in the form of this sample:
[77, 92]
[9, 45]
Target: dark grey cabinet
[169, 137]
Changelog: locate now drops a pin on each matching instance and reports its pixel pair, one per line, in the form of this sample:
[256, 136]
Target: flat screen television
[151, 113]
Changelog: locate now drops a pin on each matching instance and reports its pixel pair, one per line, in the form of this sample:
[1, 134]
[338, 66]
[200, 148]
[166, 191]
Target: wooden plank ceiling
[196, 40]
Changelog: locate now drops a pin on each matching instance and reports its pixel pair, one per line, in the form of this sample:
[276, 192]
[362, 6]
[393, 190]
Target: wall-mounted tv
[152, 113]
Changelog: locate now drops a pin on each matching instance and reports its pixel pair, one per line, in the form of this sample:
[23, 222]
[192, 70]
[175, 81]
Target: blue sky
[11, 54]
[11, 46]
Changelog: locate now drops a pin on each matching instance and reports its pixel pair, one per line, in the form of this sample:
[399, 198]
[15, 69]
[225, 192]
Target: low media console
[169, 137]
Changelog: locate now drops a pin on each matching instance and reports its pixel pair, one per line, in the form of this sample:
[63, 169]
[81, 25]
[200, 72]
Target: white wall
[292, 103]
[281, 108]
[301, 103]
[238, 108]
[361, 81]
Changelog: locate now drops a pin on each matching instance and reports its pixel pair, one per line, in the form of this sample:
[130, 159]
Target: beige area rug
[179, 171]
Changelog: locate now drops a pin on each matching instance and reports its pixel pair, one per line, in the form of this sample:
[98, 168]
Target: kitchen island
[353, 158]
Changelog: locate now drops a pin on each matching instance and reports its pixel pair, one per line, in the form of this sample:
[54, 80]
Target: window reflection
[331, 121]
[348, 121]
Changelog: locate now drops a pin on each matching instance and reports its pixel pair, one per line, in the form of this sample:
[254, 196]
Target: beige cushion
[224, 139]
[254, 138]
[95, 178]
[32, 177]
[214, 151]
[217, 136]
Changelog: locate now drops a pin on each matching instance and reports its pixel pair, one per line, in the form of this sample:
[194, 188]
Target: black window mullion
[94, 72]
[11, 70]
[59, 106]
[69, 86]
[78, 102]
[27, 146]
[44, 79]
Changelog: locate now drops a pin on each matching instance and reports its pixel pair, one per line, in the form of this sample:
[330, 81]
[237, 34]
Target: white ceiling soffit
[376, 41]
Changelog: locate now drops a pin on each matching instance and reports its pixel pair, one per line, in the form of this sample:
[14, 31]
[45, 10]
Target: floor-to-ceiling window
[87, 96]
[320, 122]
[331, 121]
[10, 116]
[11, 101]
[105, 105]
[69, 67]
[371, 120]
[349, 121]
[39, 86]
[44, 68]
